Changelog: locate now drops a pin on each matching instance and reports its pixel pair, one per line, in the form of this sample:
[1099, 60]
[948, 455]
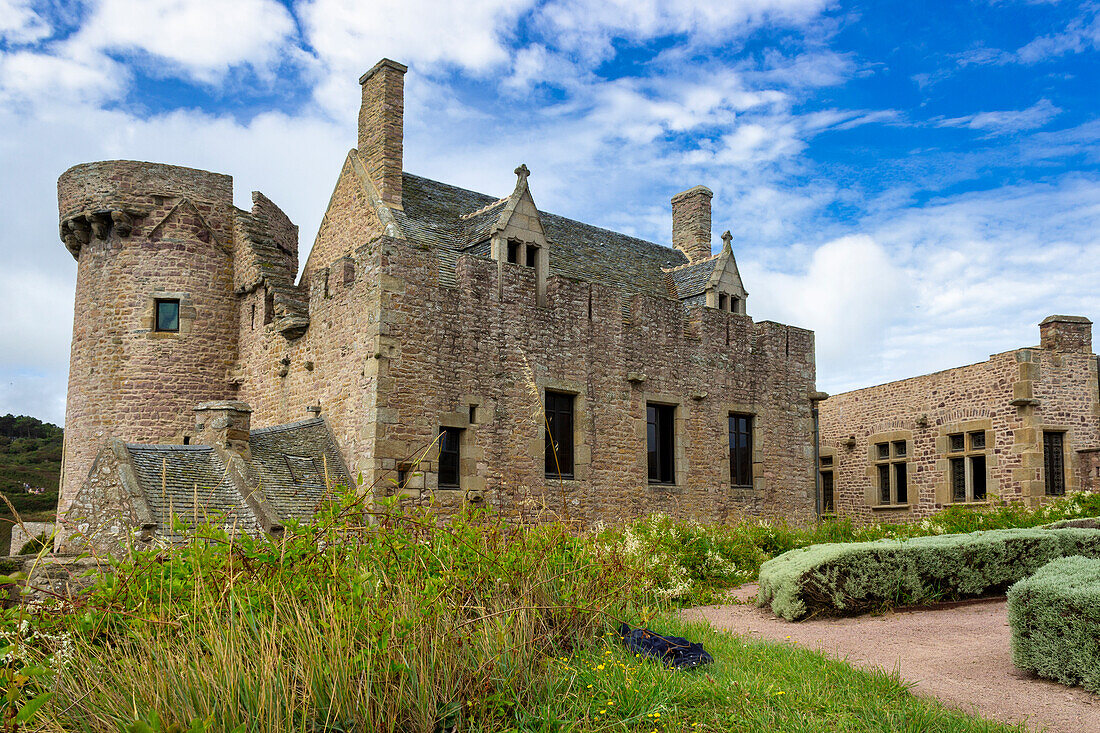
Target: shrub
[684, 561]
[853, 578]
[1055, 620]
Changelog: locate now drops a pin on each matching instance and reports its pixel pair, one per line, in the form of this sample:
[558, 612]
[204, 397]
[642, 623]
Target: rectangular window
[559, 434]
[532, 255]
[661, 443]
[168, 315]
[827, 492]
[450, 440]
[513, 252]
[884, 483]
[1054, 463]
[826, 460]
[958, 479]
[740, 433]
[721, 301]
[892, 473]
[968, 475]
[977, 477]
[735, 304]
[901, 483]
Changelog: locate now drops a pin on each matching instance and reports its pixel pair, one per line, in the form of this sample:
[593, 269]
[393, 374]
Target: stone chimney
[691, 222]
[224, 425]
[382, 127]
[1066, 333]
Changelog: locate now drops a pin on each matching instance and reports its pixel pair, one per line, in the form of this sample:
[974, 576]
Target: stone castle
[453, 347]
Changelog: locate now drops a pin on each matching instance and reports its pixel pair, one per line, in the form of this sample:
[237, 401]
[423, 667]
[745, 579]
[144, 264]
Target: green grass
[405, 625]
[753, 686]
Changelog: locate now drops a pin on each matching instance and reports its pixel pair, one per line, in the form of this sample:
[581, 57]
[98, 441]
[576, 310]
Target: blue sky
[919, 184]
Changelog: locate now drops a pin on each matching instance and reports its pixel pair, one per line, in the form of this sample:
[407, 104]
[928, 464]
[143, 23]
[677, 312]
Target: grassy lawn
[752, 686]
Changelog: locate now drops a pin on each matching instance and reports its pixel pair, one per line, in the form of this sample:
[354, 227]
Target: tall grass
[391, 625]
[391, 621]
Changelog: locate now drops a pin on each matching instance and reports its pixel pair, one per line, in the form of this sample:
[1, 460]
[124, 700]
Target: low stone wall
[23, 533]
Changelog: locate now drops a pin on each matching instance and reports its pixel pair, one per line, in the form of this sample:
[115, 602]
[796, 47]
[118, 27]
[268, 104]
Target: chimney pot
[382, 127]
[691, 222]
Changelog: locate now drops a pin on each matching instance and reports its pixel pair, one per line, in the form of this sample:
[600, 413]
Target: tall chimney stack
[382, 127]
[691, 222]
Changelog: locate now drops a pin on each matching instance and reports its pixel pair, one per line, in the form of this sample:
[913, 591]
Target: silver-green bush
[857, 577]
[1055, 620]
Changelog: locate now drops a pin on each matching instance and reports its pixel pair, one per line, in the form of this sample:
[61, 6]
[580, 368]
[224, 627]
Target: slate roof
[453, 219]
[288, 464]
[692, 280]
[174, 476]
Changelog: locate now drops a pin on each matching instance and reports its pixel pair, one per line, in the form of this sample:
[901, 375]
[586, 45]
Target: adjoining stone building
[461, 348]
[1020, 427]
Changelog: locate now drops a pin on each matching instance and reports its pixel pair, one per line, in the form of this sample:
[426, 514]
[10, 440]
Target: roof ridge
[287, 426]
[690, 264]
[483, 209]
[169, 446]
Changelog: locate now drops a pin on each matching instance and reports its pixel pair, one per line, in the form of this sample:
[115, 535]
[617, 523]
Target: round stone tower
[155, 321]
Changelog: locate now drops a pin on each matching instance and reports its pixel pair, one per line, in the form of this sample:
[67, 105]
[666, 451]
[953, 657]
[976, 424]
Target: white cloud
[588, 29]
[200, 39]
[1005, 121]
[1081, 34]
[19, 23]
[849, 293]
[47, 80]
[349, 37]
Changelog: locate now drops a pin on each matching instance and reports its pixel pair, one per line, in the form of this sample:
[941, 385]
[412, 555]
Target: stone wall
[23, 533]
[487, 345]
[141, 231]
[333, 363]
[1012, 398]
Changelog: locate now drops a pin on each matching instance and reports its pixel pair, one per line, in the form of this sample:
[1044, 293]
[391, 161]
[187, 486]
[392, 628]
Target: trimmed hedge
[1055, 620]
[857, 577]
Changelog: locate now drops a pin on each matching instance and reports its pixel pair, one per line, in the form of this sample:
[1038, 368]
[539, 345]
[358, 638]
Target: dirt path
[960, 655]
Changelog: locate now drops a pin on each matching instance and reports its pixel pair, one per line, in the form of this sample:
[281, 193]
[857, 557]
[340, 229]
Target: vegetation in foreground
[401, 624]
[1054, 615]
[30, 470]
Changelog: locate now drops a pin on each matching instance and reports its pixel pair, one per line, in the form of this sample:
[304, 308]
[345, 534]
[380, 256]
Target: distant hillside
[30, 469]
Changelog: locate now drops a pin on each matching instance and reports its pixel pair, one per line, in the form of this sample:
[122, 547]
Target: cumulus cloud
[200, 39]
[19, 23]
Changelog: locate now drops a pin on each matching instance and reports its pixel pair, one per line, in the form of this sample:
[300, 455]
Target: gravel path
[959, 655]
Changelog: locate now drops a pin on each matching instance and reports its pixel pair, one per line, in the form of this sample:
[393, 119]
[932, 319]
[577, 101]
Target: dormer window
[722, 301]
[513, 252]
[735, 306]
[532, 255]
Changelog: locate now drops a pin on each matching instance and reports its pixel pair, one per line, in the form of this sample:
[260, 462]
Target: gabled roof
[692, 280]
[288, 466]
[452, 219]
[190, 482]
[290, 462]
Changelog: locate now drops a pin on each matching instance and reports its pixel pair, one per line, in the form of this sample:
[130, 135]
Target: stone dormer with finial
[725, 291]
[518, 237]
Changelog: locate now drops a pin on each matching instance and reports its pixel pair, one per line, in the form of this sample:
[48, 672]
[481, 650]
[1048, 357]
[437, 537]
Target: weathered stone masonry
[1008, 402]
[423, 306]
